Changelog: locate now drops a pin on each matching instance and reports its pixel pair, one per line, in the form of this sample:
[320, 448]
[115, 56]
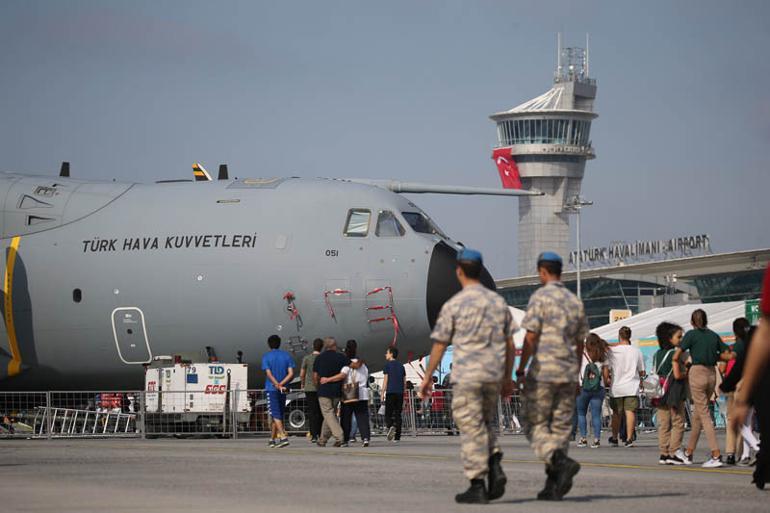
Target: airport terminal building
[638, 287]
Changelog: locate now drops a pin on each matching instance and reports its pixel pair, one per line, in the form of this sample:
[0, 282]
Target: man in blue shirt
[393, 393]
[279, 369]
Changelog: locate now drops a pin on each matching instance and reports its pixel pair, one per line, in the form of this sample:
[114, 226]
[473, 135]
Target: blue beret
[549, 256]
[470, 255]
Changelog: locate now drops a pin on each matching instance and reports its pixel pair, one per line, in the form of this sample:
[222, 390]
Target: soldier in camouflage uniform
[556, 328]
[479, 325]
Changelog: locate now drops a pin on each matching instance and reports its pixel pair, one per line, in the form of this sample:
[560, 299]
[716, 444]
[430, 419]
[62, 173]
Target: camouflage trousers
[474, 409]
[548, 409]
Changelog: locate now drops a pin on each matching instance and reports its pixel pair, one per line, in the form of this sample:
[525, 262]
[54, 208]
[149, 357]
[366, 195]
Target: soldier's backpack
[592, 376]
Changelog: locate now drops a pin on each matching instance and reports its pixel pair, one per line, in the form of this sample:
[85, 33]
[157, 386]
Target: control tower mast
[549, 138]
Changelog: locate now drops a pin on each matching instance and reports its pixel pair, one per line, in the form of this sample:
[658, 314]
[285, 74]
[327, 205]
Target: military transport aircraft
[100, 277]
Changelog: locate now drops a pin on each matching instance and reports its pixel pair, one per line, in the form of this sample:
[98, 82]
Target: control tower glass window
[357, 224]
[586, 133]
[388, 225]
[544, 131]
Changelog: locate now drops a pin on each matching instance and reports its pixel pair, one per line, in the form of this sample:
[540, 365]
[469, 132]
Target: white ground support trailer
[196, 397]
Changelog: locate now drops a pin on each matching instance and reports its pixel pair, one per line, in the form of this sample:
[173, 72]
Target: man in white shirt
[627, 366]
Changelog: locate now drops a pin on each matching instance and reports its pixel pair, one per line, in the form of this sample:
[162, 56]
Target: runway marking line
[674, 468]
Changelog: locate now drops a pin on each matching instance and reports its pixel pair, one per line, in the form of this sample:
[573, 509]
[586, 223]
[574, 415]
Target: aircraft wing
[426, 188]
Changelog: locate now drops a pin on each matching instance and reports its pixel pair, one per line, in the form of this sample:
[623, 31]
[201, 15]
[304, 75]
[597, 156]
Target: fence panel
[431, 416]
[23, 414]
[257, 421]
[239, 413]
[93, 414]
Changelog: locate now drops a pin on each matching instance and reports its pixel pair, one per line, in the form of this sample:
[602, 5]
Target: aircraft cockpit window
[388, 225]
[357, 224]
[422, 224]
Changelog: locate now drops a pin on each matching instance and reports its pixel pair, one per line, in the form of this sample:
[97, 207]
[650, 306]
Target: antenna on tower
[558, 55]
[587, 62]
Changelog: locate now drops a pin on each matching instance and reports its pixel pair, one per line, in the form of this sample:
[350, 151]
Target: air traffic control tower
[549, 138]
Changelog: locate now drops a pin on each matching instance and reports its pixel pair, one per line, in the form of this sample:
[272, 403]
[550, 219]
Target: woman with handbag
[355, 397]
[670, 407]
[594, 378]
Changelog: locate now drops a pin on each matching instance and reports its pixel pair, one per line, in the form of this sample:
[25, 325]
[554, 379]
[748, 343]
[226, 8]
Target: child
[670, 407]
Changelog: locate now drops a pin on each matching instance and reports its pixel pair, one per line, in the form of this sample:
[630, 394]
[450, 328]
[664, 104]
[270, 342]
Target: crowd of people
[689, 372]
[337, 388]
[565, 374]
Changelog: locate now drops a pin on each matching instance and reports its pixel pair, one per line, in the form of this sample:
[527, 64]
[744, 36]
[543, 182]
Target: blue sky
[140, 90]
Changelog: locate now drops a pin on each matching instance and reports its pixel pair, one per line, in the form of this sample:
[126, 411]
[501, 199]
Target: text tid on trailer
[642, 250]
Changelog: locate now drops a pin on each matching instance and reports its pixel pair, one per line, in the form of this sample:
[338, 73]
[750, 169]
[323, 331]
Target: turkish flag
[506, 166]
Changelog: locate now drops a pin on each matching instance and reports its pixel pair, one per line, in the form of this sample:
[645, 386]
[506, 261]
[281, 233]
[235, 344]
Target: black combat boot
[496, 477]
[548, 493]
[565, 469]
[762, 472]
[476, 494]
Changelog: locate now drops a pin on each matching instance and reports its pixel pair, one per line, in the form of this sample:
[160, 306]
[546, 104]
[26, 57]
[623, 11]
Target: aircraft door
[130, 333]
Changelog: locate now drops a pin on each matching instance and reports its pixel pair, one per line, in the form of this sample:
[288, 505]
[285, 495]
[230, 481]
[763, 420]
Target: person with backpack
[594, 377]
[670, 406]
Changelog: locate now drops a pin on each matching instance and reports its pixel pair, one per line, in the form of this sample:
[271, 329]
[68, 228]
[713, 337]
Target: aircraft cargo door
[130, 334]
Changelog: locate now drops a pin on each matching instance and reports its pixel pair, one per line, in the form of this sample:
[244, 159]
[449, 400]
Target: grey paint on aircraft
[122, 272]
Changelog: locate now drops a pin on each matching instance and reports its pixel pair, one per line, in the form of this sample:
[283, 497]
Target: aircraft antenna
[558, 54]
[65, 170]
[587, 62]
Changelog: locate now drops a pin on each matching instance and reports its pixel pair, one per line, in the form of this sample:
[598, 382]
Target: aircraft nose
[442, 280]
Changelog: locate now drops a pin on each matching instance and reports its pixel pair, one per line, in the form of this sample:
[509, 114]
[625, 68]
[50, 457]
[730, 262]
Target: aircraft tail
[200, 173]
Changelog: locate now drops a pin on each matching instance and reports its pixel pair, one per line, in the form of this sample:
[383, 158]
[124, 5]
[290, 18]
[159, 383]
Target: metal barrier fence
[238, 413]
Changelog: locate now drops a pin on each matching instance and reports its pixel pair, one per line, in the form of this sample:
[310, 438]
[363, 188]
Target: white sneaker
[391, 433]
[682, 456]
[713, 463]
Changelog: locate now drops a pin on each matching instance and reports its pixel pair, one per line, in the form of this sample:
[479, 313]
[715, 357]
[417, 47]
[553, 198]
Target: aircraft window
[388, 225]
[357, 224]
[77, 295]
[422, 224]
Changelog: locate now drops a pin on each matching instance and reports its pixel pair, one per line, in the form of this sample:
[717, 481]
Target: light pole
[670, 285]
[574, 206]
